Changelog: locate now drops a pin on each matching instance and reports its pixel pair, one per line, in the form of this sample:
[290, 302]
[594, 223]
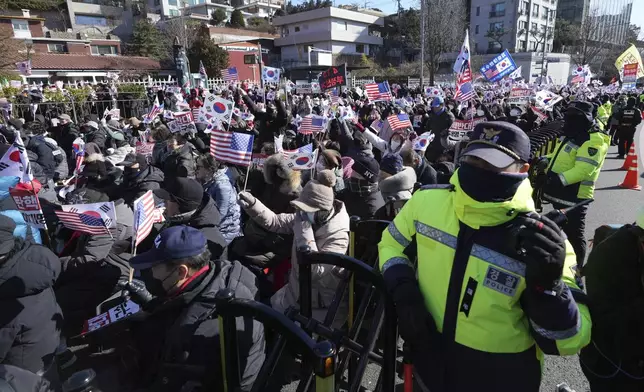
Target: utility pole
[422, 44]
[544, 71]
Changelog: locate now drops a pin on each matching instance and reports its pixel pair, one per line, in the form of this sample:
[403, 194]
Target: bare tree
[13, 50]
[541, 37]
[586, 41]
[445, 19]
[498, 35]
[186, 30]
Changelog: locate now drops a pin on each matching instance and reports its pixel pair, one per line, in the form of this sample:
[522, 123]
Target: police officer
[603, 113]
[627, 119]
[493, 291]
[573, 169]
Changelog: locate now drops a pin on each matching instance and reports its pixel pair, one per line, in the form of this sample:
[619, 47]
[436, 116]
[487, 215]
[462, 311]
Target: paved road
[612, 205]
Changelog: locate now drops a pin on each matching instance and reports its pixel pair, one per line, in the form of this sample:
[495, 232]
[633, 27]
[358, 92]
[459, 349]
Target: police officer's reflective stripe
[572, 145]
[498, 259]
[557, 200]
[436, 234]
[397, 235]
[588, 183]
[587, 160]
[478, 251]
[396, 261]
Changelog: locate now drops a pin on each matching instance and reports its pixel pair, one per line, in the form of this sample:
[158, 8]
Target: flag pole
[246, 179]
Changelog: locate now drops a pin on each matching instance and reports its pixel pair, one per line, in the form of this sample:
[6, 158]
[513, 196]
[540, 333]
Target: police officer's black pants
[575, 229]
[624, 140]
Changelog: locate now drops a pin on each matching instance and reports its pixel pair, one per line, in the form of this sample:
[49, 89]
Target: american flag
[154, 112]
[311, 124]
[231, 147]
[82, 222]
[203, 77]
[335, 96]
[145, 217]
[230, 74]
[308, 149]
[400, 121]
[378, 91]
[80, 158]
[465, 92]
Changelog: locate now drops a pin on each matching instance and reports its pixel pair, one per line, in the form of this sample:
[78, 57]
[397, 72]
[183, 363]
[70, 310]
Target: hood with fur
[399, 186]
[276, 172]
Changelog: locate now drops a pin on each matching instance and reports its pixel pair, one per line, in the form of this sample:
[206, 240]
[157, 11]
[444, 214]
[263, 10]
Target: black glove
[136, 291]
[545, 252]
[415, 324]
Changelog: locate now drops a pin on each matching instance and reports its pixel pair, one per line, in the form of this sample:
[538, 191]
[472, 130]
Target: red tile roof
[89, 62]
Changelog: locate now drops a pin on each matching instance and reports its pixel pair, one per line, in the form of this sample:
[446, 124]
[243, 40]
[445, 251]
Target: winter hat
[133, 159]
[187, 192]
[366, 166]
[114, 123]
[391, 164]
[94, 169]
[7, 226]
[317, 194]
[92, 124]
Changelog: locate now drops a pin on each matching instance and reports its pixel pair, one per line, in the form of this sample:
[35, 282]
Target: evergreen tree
[237, 19]
[204, 49]
[146, 40]
[218, 17]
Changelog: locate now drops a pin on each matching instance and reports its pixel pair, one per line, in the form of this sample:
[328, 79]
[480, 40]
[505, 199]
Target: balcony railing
[496, 14]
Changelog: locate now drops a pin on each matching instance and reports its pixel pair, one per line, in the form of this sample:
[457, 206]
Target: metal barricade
[320, 356]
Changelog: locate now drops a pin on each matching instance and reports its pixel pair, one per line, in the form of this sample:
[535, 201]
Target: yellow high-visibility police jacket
[477, 297]
[578, 162]
[603, 114]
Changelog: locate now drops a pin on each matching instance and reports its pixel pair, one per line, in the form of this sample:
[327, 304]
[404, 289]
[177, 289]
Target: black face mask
[130, 174]
[575, 123]
[486, 186]
[154, 285]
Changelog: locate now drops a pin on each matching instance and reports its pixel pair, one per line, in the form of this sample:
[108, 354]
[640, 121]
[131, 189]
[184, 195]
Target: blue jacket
[222, 191]
[22, 230]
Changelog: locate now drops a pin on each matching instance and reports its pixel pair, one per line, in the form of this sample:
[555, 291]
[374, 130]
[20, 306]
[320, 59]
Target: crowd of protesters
[223, 224]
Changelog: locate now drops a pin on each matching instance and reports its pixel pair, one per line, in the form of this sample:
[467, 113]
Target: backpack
[614, 276]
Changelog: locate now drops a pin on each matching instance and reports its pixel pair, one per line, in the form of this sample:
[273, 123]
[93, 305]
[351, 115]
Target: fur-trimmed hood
[94, 158]
[399, 186]
[276, 172]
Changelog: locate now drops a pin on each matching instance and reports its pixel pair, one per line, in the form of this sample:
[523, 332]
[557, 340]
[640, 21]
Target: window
[476, 29]
[20, 28]
[91, 20]
[297, 28]
[523, 25]
[346, 26]
[523, 46]
[56, 48]
[285, 32]
[104, 50]
[175, 13]
[494, 46]
[535, 10]
[249, 59]
[534, 27]
[478, 11]
[496, 26]
[359, 48]
[172, 2]
[545, 13]
[497, 10]
[524, 7]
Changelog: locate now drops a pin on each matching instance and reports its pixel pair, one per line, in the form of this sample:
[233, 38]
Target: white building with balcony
[519, 25]
[339, 31]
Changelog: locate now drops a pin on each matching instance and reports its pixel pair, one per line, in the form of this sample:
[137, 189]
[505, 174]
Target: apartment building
[610, 19]
[345, 33]
[519, 25]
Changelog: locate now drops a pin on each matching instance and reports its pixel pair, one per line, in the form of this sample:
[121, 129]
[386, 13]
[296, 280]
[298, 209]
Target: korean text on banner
[630, 73]
[460, 129]
[144, 148]
[28, 204]
[333, 77]
[630, 56]
[499, 67]
[519, 96]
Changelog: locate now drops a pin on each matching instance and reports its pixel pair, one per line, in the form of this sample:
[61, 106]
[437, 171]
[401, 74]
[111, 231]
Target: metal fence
[77, 111]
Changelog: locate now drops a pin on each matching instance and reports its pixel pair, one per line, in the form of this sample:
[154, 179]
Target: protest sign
[144, 148]
[630, 73]
[499, 67]
[460, 129]
[117, 313]
[333, 77]
[29, 206]
[630, 56]
[519, 96]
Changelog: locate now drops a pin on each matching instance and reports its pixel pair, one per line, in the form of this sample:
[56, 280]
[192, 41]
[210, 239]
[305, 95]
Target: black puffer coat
[185, 331]
[44, 150]
[180, 162]
[30, 320]
[147, 180]
[22, 380]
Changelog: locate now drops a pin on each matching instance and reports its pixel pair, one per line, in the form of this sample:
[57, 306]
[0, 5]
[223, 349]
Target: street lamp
[402, 48]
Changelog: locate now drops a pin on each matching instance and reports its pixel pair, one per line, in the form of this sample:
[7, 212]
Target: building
[66, 55]
[103, 16]
[243, 56]
[520, 26]
[346, 34]
[608, 20]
